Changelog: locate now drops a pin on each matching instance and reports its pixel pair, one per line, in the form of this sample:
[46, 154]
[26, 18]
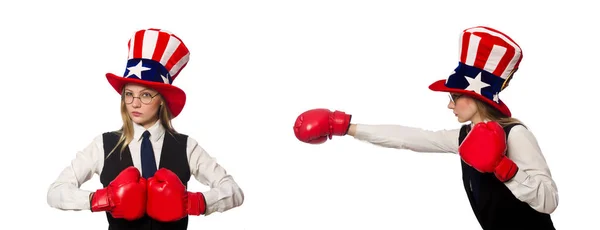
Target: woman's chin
[139, 120]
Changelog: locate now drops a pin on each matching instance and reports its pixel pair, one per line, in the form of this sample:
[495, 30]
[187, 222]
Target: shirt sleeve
[533, 182]
[410, 138]
[224, 193]
[65, 193]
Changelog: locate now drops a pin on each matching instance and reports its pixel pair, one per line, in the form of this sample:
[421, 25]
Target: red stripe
[177, 55]
[510, 52]
[485, 47]
[176, 37]
[176, 74]
[483, 51]
[138, 43]
[464, 47]
[161, 45]
[508, 55]
[509, 38]
[519, 61]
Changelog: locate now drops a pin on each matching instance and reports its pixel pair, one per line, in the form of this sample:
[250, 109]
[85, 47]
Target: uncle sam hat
[488, 59]
[156, 57]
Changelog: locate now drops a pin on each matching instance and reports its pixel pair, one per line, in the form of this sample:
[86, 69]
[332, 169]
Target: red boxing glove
[484, 149]
[316, 125]
[168, 199]
[124, 197]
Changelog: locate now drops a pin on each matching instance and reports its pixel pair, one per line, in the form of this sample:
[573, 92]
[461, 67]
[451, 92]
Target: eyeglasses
[454, 97]
[145, 98]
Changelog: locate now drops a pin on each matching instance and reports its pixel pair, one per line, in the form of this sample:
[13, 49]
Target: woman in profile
[504, 172]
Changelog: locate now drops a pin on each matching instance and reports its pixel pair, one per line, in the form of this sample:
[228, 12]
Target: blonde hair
[488, 112]
[164, 115]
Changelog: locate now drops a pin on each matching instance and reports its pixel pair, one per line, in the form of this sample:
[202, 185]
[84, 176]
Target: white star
[496, 98]
[475, 84]
[137, 70]
[165, 79]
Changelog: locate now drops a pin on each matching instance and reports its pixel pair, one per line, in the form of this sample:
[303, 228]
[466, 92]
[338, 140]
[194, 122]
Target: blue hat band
[147, 70]
[467, 77]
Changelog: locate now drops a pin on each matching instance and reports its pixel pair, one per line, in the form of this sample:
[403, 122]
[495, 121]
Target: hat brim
[440, 86]
[173, 96]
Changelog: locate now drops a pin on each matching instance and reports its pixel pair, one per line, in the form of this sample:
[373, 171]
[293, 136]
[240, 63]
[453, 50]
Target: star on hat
[488, 59]
[137, 70]
[156, 57]
[475, 84]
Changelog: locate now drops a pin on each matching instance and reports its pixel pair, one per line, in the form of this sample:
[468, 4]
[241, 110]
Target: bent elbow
[238, 198]
[549, 205]
[548, 208]
[50, 197]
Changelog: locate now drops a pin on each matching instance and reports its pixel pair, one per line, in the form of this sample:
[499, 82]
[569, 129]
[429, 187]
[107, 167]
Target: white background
[256, 65]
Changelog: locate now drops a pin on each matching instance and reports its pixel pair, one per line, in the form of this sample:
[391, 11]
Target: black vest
[173, 157]
[493, 203]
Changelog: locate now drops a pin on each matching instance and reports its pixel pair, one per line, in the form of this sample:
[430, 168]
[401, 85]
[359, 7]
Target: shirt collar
[156, 131]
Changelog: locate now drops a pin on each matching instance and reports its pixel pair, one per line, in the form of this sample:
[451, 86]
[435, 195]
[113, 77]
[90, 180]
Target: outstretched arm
[533, 181]
[405, 137]
[65, 192]
[316, 126]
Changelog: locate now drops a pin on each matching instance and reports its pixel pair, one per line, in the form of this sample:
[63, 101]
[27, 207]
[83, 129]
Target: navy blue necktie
[148, 161]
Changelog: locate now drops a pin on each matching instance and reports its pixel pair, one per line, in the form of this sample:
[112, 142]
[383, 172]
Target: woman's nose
[450, 105]
[136, 103]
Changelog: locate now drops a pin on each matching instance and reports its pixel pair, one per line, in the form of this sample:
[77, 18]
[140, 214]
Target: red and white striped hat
[488, 60]
[156, 57]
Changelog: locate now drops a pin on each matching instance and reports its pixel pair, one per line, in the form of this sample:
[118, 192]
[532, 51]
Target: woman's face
[142, 104]
[464, 107]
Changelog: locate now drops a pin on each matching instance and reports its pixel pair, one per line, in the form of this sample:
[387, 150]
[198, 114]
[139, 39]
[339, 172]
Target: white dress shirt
[65, 192]
[532, 184]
